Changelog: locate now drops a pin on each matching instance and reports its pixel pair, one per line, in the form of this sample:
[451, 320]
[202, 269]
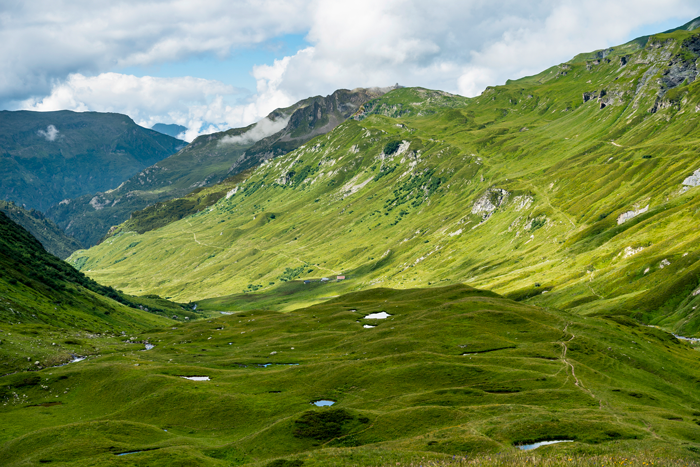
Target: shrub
[321, 426]
[391, 147]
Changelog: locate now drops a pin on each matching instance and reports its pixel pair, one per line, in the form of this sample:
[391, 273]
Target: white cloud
[187, 101]
[264, 128]
[64, 50]
[46, 40]
[50, 134]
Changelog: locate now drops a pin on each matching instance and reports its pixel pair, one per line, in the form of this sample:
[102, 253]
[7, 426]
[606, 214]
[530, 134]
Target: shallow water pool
[380, 315]
[323, 403]
[196, 378]
[528, 447]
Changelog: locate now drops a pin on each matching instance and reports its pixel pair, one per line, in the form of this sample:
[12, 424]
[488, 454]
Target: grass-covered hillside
[454, 376]
[575, 188]
[209, 159]
[42, 296]
[48, 157]
[46, 231]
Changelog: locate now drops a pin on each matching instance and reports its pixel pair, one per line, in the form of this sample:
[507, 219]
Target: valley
[397, 276]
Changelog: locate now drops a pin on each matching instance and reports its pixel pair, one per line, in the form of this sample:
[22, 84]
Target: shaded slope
[49, 234]
[452, 371]
[51, 156]
[209, 159]
[37, 288]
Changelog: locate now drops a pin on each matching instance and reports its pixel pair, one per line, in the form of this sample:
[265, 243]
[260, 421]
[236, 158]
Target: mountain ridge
[209, 159]
[414, 192]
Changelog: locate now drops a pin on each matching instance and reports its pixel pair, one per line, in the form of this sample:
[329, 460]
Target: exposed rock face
[625, 216]
[693, 180]
[491, 200]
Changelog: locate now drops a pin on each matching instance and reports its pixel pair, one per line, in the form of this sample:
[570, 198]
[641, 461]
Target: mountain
[209, 159]
[169, 129]
[575, 188]
[48, 157]
[52, 238]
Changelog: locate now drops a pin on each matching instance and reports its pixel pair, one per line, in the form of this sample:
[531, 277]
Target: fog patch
[50, 134]
[262, 129]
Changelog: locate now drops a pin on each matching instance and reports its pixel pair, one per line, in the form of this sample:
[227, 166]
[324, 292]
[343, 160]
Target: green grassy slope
[46, 231]
[209, 159]
[90, 152]
[41, 295]
[452, 371]
[517, 191]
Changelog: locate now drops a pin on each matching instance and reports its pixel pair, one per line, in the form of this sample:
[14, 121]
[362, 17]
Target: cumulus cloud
[63, 51]
[51, 39]
[187, 101]
[264, 128]
[50, 134]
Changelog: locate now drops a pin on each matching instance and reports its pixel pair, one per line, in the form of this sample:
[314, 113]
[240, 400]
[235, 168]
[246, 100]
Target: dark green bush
[322, 425]
[391, 147]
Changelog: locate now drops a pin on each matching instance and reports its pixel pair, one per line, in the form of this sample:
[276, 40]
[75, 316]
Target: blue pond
[125, 453]
[265, 365]
[323, 403]
[528, 447]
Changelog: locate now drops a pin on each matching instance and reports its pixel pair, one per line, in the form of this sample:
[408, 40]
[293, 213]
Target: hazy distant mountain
[46, 157]
[169, 129]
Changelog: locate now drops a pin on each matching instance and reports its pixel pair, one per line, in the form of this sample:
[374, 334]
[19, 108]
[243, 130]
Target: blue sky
[234, 69]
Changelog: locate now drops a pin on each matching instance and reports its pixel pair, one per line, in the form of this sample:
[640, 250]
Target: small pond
[127, 453]
[265, 365]
[77, 359]
[380, 315]
[323, 403]
[368, 326]
[196, 378]
[528, 447]
[688, 339]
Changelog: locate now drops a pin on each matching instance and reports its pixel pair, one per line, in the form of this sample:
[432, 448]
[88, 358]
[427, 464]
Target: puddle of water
[265, 365]
[226, 313]
[148, 346]
[323, 403]
[380, 315]
[368, 326]
[528, 447]
[127, 453]
[77, 359]
[688, 339]
[196, 378]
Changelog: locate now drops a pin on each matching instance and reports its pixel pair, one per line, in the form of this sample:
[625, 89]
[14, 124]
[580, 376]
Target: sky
[214, 65]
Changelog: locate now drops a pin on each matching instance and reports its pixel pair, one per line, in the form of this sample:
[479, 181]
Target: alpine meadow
[389, 276]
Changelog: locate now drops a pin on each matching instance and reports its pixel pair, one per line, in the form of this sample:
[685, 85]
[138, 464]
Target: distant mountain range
[47, 157]
[209, 159]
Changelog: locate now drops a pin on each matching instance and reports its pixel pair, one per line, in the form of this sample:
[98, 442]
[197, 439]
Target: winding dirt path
[566, 362]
